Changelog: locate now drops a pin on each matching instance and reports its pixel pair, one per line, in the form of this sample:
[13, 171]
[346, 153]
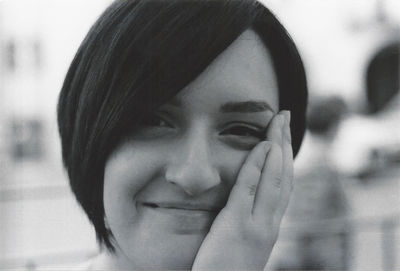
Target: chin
[163, 251]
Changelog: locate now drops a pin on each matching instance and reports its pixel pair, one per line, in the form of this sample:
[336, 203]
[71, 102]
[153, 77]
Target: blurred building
[39, 219]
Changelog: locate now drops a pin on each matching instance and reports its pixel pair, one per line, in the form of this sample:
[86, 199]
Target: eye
[154, 126]
[155, 121]
[244, 131]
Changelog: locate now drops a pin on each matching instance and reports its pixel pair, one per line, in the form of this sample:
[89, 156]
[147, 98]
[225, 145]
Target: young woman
[176, 134]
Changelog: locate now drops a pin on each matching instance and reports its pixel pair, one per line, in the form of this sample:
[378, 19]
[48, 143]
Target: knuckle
[277, 182]
[252, 189]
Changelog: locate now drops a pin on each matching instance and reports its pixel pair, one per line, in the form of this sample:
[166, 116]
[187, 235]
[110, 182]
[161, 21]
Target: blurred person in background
[368, 144]
[176, 133]
[318, 205]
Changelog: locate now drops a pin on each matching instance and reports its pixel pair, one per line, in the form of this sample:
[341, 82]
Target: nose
[191, 167]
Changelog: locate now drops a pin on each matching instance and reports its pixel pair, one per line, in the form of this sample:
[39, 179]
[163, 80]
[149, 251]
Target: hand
[245, 231]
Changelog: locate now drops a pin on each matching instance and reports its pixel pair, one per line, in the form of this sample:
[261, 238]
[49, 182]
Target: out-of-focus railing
[385, 228]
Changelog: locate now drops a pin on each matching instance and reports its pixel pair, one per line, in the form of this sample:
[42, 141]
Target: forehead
[243, 72]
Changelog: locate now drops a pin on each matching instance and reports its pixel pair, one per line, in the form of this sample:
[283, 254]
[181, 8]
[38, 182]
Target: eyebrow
[235, 107]
[245, 107]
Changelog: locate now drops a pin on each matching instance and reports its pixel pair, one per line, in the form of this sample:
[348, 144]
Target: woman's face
[166, 183]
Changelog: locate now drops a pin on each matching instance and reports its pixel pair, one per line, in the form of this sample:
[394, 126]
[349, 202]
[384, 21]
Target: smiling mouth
[182, 207]
[183, 218]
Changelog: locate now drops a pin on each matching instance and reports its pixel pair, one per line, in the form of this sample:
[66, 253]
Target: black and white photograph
[259, 135]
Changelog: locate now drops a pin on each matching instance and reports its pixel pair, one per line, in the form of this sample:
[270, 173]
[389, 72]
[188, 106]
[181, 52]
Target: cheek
[127, 171]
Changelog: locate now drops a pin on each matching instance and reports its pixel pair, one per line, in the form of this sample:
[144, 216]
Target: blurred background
[345, 209]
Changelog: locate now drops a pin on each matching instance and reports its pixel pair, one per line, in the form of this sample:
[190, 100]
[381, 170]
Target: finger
[269, 189]
[274, 132]
[287, 163]
[241, 198]
[268, 192]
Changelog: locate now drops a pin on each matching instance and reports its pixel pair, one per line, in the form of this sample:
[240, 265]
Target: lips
[181, 217]
[183, 206]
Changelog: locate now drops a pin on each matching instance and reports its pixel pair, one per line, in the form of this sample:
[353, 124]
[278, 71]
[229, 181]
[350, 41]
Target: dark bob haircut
[141, 53]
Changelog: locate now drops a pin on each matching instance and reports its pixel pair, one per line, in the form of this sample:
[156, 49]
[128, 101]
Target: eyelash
[244, 131]
[154, 120]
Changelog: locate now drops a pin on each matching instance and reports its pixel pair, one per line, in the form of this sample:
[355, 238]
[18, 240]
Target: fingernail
[287, 134]
[286, 113]
[281, 119]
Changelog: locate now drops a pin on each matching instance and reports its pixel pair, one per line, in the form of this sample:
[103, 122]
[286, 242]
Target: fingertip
[286, 134]
[287, 115]
[281, 119]
[274, 129]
